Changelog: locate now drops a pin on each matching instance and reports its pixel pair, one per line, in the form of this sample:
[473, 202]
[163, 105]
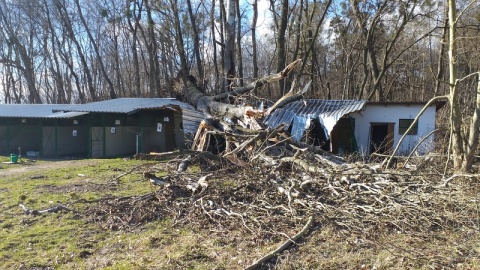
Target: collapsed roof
[299, 114]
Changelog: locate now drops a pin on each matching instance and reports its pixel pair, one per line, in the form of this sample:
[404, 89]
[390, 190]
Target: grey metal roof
[34, 110]
[298, 114]
[191, 120]
[191, 117]
[129, 105]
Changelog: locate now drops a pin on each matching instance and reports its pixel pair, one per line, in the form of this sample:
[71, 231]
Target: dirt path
[27, 166]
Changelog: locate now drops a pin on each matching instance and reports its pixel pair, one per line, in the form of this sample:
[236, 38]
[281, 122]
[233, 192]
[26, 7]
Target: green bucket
[13, 158]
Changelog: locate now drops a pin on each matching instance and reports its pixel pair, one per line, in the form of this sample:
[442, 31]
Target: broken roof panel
[300, 112]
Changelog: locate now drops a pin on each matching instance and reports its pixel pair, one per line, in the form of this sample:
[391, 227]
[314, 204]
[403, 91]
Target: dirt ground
[30, 165]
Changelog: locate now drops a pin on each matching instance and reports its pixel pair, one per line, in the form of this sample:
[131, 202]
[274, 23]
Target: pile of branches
[278, 188]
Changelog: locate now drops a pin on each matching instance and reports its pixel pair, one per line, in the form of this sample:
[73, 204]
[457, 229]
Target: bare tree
[22, 44]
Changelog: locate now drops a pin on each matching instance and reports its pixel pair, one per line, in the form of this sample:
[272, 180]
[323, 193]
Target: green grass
[59, 239]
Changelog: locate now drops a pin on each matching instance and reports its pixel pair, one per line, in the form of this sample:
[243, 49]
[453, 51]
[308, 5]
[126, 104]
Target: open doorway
[317, 136]
[381, 137]
[343, 136]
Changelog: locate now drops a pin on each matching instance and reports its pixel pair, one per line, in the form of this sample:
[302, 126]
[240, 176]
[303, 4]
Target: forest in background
[77, 51]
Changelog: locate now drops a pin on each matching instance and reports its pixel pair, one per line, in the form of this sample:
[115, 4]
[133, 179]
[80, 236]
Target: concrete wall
[391, 113]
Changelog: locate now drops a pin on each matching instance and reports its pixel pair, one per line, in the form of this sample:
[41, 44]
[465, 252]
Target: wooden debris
[54, 209]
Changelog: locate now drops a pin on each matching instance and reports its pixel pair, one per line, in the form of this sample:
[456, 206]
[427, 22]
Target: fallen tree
[215, 107]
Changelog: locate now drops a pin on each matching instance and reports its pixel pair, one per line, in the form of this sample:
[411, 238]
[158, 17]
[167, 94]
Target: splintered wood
[202, 138]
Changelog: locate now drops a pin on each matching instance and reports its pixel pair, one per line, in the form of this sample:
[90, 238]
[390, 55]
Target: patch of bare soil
[32, 165]
[77, 188]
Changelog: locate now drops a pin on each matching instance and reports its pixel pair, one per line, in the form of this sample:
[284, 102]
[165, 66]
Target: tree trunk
[229, 59]
[196, 42]
[134, 30]
[67, 23]
[214, 45]
[281, 42]
[455, 113]
[254, 40]
[472, 143]
[239, 44]
[211, 105]
[97, 52]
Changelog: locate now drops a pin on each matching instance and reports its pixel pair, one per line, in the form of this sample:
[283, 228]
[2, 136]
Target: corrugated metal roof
[300, 112]
[33, 110]
[129, 105]
[191, 120]
[191, 117]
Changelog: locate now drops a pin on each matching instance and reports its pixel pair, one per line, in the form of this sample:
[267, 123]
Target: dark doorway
[381, 137]
[343, 136]
[317, 136]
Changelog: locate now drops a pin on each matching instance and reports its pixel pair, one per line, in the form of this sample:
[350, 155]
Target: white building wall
[391, 113]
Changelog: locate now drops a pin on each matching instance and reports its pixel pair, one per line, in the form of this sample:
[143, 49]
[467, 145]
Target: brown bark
[281, 41]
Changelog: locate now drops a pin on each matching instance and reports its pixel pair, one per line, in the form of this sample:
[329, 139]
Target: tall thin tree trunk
[97, 52]
[215, 61]
[179, 38]
[71, 34]
[281, 42]
[239, 43]
[455, 113]
[229, 59]
[196, 42]
[474, 133]
[134, 29]
[254, 40]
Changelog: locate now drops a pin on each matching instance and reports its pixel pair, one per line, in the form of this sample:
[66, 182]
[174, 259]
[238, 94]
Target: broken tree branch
[48, 210]
[288, 98]
[281, 248]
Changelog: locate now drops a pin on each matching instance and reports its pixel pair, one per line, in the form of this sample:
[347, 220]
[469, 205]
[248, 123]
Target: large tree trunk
[212, 106]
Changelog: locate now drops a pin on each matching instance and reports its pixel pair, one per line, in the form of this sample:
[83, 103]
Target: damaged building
[346, 126]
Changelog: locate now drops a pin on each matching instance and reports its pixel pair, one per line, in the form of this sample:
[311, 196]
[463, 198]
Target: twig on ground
[281, 248]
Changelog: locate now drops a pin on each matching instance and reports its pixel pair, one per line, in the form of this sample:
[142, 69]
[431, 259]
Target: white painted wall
[391, 113]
